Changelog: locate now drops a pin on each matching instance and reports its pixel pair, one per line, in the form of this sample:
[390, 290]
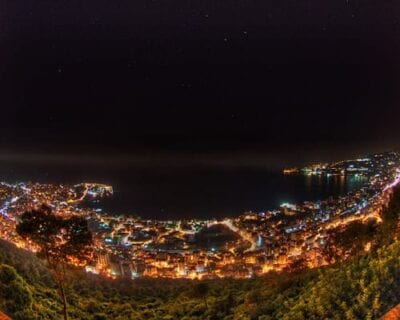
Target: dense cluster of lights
[250, 244]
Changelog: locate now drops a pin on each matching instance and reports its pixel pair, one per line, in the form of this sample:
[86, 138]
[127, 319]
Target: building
[393, 314]
[4, 316]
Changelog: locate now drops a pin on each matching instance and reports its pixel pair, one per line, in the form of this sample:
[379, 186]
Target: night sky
[185, 76]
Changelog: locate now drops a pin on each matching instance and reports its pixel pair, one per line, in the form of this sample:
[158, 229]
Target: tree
[200, 291]
[61, 241]
[297, 266]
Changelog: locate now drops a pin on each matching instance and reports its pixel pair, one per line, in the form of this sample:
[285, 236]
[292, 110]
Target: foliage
[364, 286]
[15, 295]
[61, 241]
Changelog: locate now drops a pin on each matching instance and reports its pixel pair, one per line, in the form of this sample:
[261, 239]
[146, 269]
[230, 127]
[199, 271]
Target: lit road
[245, 235]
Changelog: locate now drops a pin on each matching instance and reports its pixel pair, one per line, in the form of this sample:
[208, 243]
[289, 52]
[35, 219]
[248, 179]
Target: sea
[186, 192]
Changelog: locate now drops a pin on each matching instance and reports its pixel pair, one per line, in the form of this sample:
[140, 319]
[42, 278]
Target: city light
[248, 245]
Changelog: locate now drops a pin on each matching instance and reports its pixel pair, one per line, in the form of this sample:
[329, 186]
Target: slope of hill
[359, 289]
[363, 287]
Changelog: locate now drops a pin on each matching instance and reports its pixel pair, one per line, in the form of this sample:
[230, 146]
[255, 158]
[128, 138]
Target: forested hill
[363, 287]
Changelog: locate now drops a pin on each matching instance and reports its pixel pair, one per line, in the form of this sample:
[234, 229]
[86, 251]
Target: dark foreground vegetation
[364, 286]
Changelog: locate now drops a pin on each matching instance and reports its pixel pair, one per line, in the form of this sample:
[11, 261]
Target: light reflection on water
[204, 192]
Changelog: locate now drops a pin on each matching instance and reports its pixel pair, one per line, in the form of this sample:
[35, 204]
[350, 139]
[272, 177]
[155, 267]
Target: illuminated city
[200, 160]
[249, 245]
